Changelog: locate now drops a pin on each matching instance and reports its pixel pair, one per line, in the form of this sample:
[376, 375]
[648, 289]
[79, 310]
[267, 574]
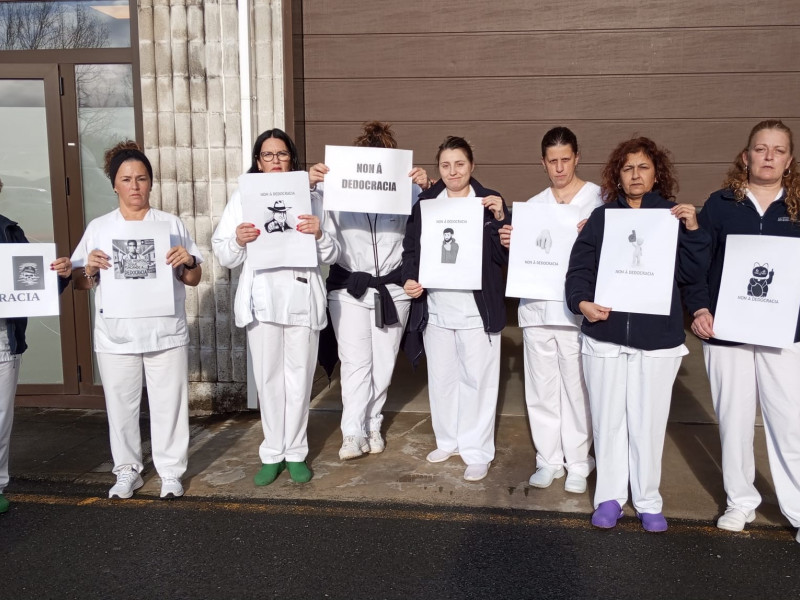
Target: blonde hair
[737, 178]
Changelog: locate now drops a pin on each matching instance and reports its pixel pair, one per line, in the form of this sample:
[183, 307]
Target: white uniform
[463, 374]
[369, 243]
[124, 347]
[9, 374]
[555, 393]
[283, 310]
[642, 375]
[740, 377]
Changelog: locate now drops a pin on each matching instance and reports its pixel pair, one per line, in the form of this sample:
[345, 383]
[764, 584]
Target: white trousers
[368, 355]
[463, 382]
[740, 377]
[284, 361]
[9, 374]
[167, 376]
[629, 397]
[558, 405]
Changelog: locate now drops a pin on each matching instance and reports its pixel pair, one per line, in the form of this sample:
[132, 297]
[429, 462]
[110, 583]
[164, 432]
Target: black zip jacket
[491, 297]
[723, 215]
[636, 330]
[11, 233]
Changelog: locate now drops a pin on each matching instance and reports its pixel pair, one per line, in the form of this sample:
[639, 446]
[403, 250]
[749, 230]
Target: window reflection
[26, 198]
[65, 25]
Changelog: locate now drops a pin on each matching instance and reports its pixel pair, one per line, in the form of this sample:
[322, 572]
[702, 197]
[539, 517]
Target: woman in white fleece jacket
[283, 310]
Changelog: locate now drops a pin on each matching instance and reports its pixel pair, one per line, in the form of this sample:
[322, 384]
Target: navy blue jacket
[11, 233]
[491, 297]
[637, 330]
[723, 215]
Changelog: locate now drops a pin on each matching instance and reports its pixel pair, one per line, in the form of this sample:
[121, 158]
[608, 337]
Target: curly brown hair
[124, 151]
[666, 180]
[737, 178]
[376, 134]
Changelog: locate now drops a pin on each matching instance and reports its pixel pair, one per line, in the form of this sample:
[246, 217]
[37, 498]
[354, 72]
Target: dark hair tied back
[123, 152]
[559, 136]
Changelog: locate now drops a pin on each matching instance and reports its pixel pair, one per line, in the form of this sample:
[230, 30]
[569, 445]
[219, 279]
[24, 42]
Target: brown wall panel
[445, 16]
[519, 142]
[599, 97]
[723, 50]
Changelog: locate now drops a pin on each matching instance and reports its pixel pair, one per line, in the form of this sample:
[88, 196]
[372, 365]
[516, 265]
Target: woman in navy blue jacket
[462, 328]
[761, 196]
[630, 360]
[12, 345]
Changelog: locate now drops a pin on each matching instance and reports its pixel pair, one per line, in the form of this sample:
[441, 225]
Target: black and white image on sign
[277, 221]
[758, 285]
[28, 272]
[134, 259]
[449, 246]
[636, 241]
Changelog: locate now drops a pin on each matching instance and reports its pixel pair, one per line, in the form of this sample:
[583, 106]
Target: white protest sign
[451, 243]
[28, 288]
[540, 247]
[273, 202]
[139, 282]
[759, 296]
[637, 261]
[368, 180]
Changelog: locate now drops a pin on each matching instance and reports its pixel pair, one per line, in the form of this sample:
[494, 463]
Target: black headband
[125, 155]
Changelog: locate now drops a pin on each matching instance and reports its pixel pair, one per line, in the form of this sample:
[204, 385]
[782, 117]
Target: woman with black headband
[157, 345]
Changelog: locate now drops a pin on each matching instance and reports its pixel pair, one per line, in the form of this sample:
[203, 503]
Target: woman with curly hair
[760, 196]
[630, 360]
[156, 346]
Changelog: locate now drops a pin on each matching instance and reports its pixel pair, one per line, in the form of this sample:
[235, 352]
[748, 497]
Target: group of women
[593, 375]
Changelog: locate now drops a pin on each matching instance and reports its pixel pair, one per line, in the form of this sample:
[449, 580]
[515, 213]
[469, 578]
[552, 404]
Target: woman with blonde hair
[760, 196]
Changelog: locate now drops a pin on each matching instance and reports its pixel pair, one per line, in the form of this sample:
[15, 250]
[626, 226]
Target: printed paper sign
[637, 261]
[139, 283]
[28, 288]
[541, 243]
[451, 243]
[368, 180]
[273, 202]
[759, 297]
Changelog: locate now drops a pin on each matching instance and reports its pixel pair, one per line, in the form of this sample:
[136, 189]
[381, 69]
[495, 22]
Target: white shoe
[353, 446]
[575, 483]
[376, 443]
[128, 481]
[544, 476]
[735, 519]
[438, 456]
[171, 488]
[476, 472]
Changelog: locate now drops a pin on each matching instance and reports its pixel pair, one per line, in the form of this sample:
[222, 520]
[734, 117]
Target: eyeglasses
[282, 156]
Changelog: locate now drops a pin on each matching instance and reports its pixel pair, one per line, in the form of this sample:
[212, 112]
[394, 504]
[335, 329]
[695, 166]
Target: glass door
[35, 194]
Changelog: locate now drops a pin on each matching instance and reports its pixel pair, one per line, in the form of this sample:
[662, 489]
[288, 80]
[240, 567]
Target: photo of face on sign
[134, 259]
[28, 272]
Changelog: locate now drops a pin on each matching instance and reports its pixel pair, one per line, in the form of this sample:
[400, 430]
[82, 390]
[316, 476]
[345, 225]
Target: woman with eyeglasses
[283, 310]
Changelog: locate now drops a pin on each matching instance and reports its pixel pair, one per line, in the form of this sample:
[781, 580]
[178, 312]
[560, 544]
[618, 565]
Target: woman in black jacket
[630, 360]
[761, 196]
[12, 345]
[462, 328]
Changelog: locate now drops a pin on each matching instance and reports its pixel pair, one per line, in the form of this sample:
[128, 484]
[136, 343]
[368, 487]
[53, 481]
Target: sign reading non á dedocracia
[28, 288]
[368, 180]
